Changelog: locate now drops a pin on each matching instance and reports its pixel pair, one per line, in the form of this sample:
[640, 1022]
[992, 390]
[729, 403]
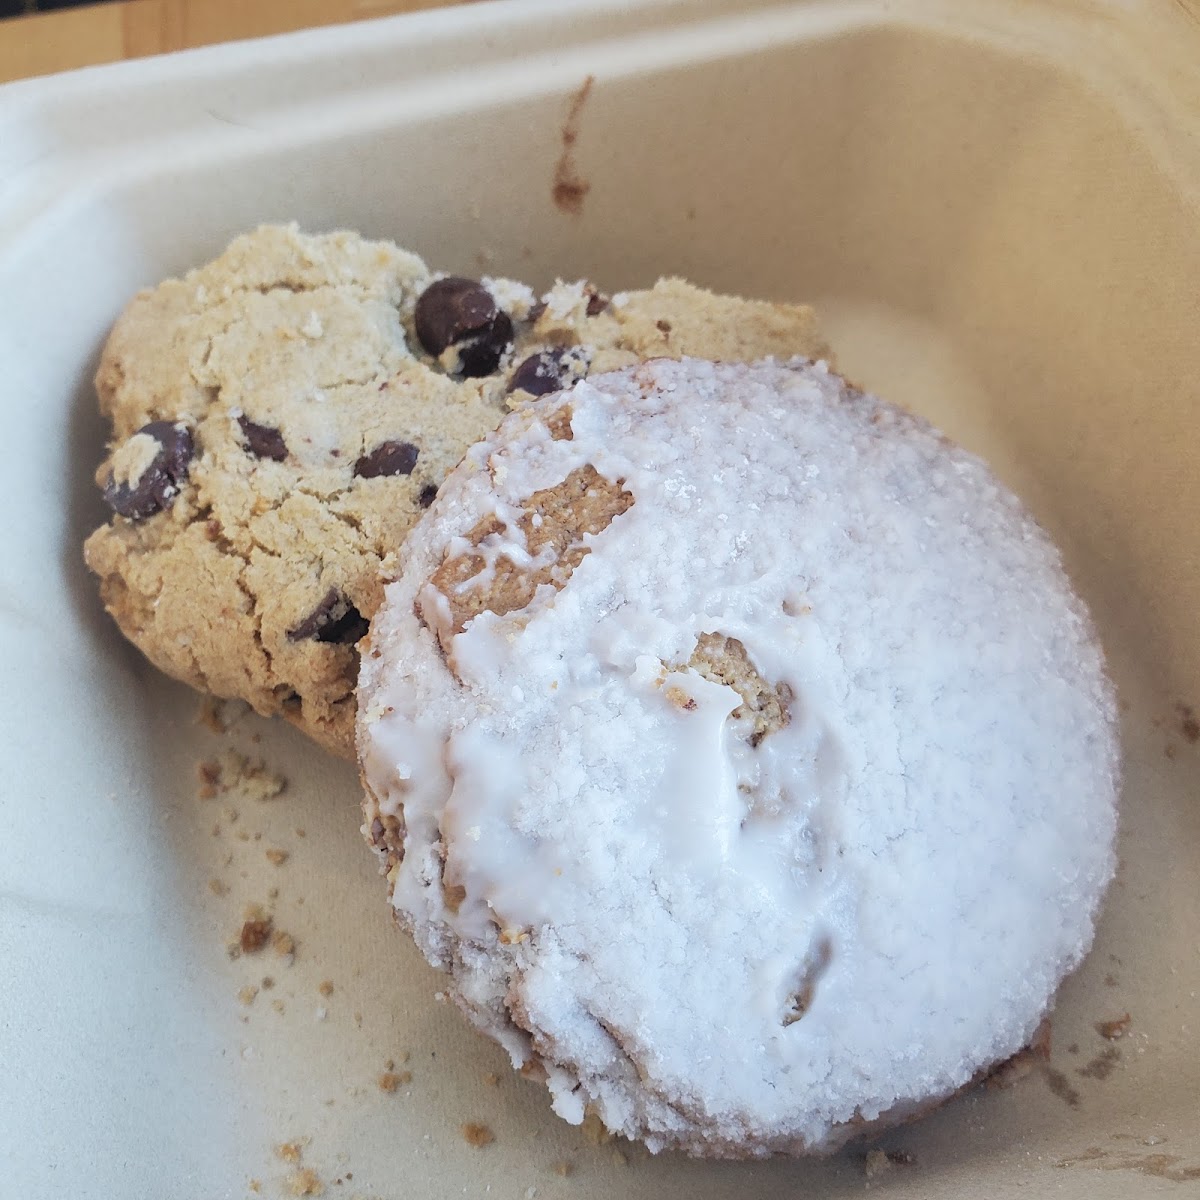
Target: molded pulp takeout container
[995, 206]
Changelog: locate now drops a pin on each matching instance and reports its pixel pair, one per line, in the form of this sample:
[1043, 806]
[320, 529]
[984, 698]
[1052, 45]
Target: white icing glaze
[646, 892]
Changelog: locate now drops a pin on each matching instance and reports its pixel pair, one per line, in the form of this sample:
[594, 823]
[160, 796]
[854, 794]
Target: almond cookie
[737, 744]
[284, 414]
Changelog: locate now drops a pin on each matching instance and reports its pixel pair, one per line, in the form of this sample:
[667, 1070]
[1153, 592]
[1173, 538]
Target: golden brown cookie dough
[282, 416]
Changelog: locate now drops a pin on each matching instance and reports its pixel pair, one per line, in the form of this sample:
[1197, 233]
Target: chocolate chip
[535, 311]
[539, 373]
[388, 458]
[334, 620]
[452, 310]
[263, 441]
[427, 496]
[597, 302]
[160, 479]
[663, 326]
[462, 313]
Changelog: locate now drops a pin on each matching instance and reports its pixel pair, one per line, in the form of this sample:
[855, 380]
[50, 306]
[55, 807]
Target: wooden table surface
[108, 32]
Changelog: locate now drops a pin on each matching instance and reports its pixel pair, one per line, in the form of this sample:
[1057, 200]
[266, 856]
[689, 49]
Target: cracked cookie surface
[283, 415]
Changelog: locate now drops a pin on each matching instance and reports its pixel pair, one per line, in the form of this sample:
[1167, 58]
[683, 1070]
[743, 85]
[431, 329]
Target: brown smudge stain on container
[1102, 1066]
[1159, 1166]
[569, 187]
[1060, 1085]
[1189, 724]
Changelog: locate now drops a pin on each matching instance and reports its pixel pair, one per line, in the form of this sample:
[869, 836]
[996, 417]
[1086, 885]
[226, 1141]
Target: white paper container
[997, 210]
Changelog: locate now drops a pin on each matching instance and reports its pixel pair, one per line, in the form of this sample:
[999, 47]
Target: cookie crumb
[305, 1182]
[594, 1131]
[219, 716]
[279, 1006]
[218, 888]
[477, 1135]
[283, 943]
[255, 935]
[255, 1185]
[563, 1168]
[1118, 1027]
[491, 1079]
[325, 987]
[389, 1081]
[876, 1163]
[234, 772]
[247, 994]
[278, 857]
[291, 1151]
[209, 775]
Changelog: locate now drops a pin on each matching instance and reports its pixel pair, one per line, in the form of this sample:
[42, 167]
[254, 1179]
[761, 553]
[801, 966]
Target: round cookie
[284, 414]
[737, 744]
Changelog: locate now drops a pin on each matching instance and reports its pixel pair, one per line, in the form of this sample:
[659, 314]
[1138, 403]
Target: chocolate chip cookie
[282, 416]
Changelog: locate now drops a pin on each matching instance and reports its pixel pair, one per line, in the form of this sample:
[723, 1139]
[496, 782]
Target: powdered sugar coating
[721, 946]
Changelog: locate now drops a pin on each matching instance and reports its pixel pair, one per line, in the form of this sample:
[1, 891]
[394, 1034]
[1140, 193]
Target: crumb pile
[737, 744]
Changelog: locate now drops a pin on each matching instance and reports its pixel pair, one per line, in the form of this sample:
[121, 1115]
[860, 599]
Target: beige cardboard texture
[995, 207]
